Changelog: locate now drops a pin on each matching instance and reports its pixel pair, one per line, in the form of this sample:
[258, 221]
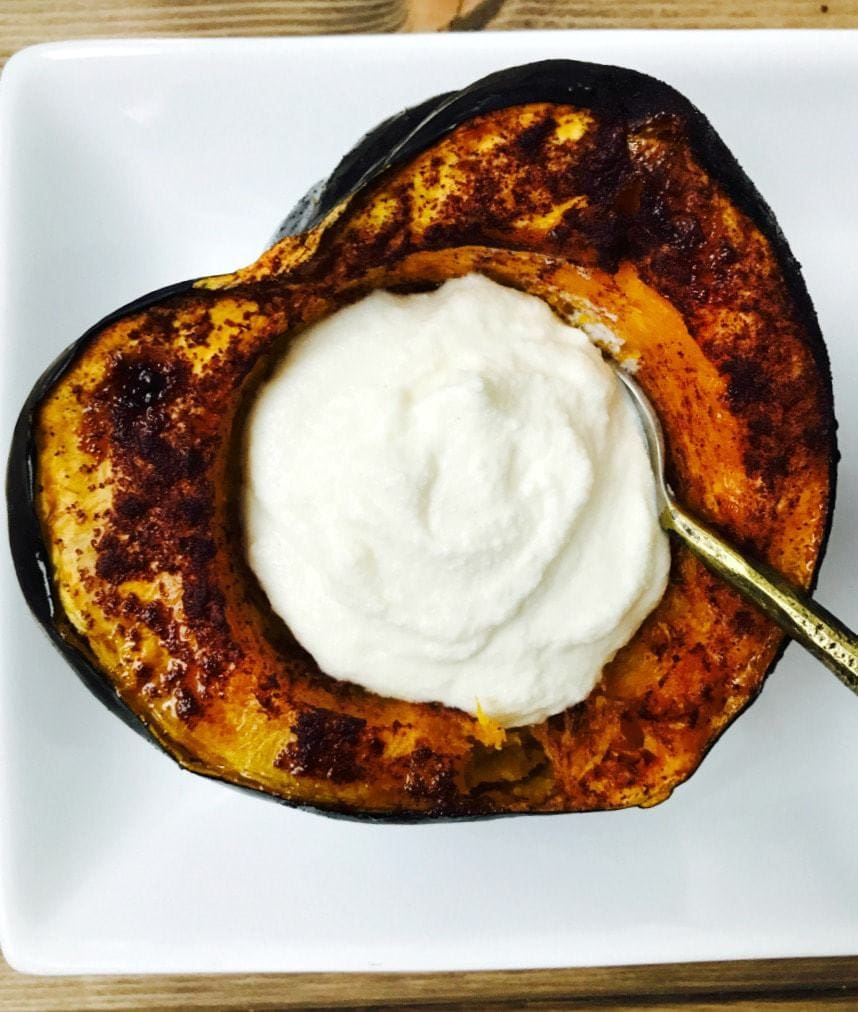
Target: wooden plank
[24, 22]
[804, 983]
[665, 14]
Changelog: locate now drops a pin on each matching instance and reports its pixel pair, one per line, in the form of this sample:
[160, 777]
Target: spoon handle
[806, 621]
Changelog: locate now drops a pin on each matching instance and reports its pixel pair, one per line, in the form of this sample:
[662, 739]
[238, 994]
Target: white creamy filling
[448, 498]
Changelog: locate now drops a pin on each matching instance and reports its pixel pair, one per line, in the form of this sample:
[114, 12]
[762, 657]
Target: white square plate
[126, 166]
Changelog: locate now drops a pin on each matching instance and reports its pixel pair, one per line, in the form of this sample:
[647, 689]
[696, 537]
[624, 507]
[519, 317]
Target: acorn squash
[602, 191]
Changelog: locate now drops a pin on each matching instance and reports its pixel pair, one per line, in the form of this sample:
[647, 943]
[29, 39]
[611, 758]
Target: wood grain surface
[24, 22]
[762, 984]
[765, 984]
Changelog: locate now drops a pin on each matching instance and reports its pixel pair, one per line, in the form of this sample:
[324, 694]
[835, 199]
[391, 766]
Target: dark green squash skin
[606, 90]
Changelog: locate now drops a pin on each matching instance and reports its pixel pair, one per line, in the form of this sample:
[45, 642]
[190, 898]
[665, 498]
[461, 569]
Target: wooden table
[24, 22]
[762, 984]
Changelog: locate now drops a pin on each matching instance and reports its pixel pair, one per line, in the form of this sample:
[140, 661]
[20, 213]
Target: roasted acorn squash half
[599, 189]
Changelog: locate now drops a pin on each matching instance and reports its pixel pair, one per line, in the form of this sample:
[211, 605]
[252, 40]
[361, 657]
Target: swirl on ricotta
[448, 498]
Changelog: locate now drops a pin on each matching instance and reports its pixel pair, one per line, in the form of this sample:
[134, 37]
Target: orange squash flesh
[138, 450]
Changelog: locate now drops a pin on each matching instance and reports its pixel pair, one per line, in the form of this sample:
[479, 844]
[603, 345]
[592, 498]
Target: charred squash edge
[604, 89]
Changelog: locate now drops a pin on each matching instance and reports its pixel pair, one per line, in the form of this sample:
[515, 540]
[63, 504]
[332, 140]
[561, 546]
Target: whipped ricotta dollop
[448, 497]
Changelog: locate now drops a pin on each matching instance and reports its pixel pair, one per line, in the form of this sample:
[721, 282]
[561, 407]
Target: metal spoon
[825, 636]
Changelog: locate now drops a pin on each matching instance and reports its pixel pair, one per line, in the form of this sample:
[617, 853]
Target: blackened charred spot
[531, 140]
[156, 616]
[128, 506]
[430, 776]
[140, 384]
[725, 254]
[377, 244]
[198, 549]
[702, 656]
[193, 462]
[267, 694]
[675, 273]
[743, 622]
[659, 649]
[432, 173]
[154, 449]
[130, 606]
[663, 218]
[376, 747]
[130, 416]
[442, 234]
[202, 601]
[603, 173]
[627, 200]
[271, 707]
[197, 330]
[747, 385]
[137, 387]
[816, 435]
[631, 732]
[604, 241]
[413, 287]
[324, 747]
[160, 324]
[212, 667]
[688, 233]
[576, 717]
[166, 465]
[557, 722]
[760, 426]
[193, 510]
[594, 230]
[560, 233]
[186, 703]
[117, 560]
[111, 564]
[665, 127]
[143, 673]
[770, 467]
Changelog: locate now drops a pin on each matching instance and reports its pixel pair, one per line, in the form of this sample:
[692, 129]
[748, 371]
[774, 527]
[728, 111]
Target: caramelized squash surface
[627, 215]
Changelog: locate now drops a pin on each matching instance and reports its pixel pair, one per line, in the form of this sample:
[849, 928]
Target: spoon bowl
[806, 621]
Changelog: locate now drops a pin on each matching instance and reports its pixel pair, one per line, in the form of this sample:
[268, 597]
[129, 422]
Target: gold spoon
[825, 636]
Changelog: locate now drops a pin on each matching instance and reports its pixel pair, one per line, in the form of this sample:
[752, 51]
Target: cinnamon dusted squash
[598, 189]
